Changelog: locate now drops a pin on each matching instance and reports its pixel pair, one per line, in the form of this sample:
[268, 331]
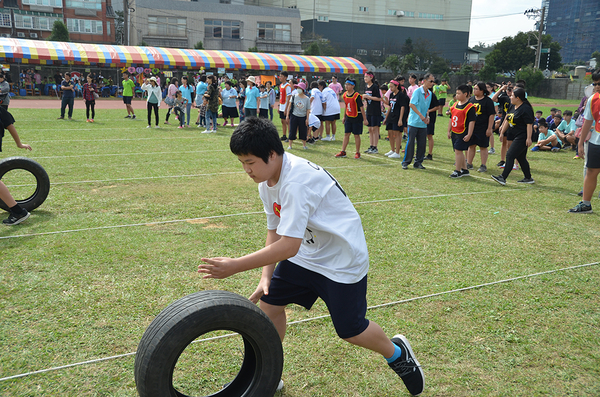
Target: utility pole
[534, 13]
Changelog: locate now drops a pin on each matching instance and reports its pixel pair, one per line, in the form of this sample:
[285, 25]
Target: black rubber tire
[43, 181]
[194, 315]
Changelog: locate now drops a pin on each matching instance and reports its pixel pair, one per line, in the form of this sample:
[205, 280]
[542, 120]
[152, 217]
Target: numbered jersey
[461, 116]
[308, 203]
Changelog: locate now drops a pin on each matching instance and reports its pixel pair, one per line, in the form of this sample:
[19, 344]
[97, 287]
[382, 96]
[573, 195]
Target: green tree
[119, 28]
[512, 53]
[253, 49]
[392, 62]
[407, 48]
[313, 49]
[59, 32]
[439, 66]
[408, 62]
[488, 73]
[199, 46]
[465, 70]
[596, 54]
[533, 77]
[554, 54]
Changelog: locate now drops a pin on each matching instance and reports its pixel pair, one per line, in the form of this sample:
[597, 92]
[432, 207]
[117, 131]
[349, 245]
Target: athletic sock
[17, 209]
[583, 201]
[397, 353]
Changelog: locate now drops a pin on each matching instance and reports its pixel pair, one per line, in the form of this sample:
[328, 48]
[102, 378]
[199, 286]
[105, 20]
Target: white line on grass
[228, 216]
[478, 286]
[178, 176]
[113, 139]
[132, 154]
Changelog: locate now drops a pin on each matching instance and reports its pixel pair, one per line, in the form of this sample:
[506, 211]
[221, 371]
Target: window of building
[392, 12]
[222, 29]
[84, 26]
[360, 51]
[430, 16]
[88, 4]
[363, 9]
[409, 14]
[33, 22]
[225, 1]
[167, 26]
[275, 31]
[5, 20]
[322, 18]
[53, 3]
[108, 28]
[376, 53]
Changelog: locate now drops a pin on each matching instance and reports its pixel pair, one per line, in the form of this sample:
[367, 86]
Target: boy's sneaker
[133, 117]
[555, 149]
[357, 155]
[515, 167]
[404, 166]
[206, 131]
[578, 209]
[492, 151]
[333, 137]
[464, 173]
[576, 157]
[128, 116]
[284, 138]
[394, 156]
[483, 168]
[369, 150]
[469, 166]
[327, 138]
[580, 194]
[501, 164]
[16, 219]
[341, 154]
[407, 367]
[389, 153]
[526, 180]
[456, 174]
[374, 150]
[429, 157]
[535, 149]
[499, 179]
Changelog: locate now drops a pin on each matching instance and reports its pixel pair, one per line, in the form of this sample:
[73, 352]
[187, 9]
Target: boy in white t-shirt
[316, 235]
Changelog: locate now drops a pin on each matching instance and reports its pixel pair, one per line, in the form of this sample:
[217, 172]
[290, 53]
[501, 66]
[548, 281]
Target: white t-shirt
[284, 93]
[313, 121]
[316, 106]
[308, 203]
[587, 114]
[333, 105]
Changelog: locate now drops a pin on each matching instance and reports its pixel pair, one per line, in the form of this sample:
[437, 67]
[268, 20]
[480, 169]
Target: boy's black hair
[483, 88]
[314, 84]
[596, 75]
[322, 83]
[262, 86]
[542, 123]
[258, 137]
[553, 109]
[463, 88]
[521, 83]
[568, 112]
[413, 76]
[557, 115]
[384, 87]
[203, 78]
[539, 111]
[284, 73]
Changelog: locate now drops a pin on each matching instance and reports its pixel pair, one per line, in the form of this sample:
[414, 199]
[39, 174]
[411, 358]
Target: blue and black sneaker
[407, 367]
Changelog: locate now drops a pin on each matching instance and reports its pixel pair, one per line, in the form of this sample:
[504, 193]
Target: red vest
[351, 106]
[596, 110]
[283, 93]
[458, 118]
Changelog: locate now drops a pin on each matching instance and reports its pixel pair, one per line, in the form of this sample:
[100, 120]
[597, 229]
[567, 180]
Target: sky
[489, 26]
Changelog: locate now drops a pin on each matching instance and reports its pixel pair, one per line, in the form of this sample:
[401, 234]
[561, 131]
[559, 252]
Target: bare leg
[277, 316]
[373, 338]
[589, 183]
[6, 196]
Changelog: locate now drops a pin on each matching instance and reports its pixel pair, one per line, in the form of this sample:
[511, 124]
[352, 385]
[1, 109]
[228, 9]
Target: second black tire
[193, 316]
[41, 176]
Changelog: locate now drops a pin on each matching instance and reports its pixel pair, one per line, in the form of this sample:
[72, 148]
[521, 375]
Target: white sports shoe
[389, 153]
[333, 137]
[394, 156]
[327, 138]
[206, 131]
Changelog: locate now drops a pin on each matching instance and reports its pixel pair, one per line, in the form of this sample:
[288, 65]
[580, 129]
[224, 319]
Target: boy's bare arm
[220, 267]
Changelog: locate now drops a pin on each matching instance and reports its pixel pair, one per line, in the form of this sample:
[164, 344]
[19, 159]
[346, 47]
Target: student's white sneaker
[333, 137]
[394, 156]
[389, 153]
[280, 385]
[206, 131]
[327, 138]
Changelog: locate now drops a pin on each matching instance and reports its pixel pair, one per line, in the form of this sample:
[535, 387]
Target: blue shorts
[347, 303]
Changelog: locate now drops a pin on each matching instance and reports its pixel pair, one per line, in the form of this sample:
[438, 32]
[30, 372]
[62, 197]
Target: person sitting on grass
[312, 251]
[556, 120]
[547, 139]
[17, 213]
[354, 118]
[592, 154]
[566, 129]
[460, 129]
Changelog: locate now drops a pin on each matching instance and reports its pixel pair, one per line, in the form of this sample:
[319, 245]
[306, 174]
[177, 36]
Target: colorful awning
[53, 52]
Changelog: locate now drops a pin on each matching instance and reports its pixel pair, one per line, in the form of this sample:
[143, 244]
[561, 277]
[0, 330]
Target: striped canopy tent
[61, 53]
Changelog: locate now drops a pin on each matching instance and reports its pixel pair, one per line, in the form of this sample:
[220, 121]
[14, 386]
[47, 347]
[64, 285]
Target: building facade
[378, 28]
[575, 25]
[218, 24]
[87, 20]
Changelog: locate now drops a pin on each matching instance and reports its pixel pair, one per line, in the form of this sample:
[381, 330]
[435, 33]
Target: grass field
[131, 211]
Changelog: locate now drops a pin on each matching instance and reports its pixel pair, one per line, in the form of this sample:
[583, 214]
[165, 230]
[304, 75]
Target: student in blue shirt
[252, 94]
[418, 119]
[566, 129]
[229, 107]
[187, 91]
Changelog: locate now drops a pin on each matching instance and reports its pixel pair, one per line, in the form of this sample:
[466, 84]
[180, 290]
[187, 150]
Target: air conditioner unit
[20, 34]
[5, 35]
[399, 14]
[33, 35]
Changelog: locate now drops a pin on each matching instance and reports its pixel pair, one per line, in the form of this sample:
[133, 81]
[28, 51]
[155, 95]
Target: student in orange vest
[460, 129]
[592, 154]
[354, 118]
[285, 89]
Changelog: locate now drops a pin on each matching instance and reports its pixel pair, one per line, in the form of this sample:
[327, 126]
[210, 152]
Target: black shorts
[282, 115]
[297, 124]
[347, 303]
[480, 139]
[458, 143]
[320, 117]
[127, 100]
[442, 101]
[374, 121]
[250, 112]
[332, 117]
[393, 126]
[229, 112]
[263, 113]
[593, 156]
[354, 127]
[431, 128]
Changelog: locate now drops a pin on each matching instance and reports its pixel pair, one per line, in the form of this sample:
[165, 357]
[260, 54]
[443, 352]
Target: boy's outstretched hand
[261, 289]
[220, 267]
